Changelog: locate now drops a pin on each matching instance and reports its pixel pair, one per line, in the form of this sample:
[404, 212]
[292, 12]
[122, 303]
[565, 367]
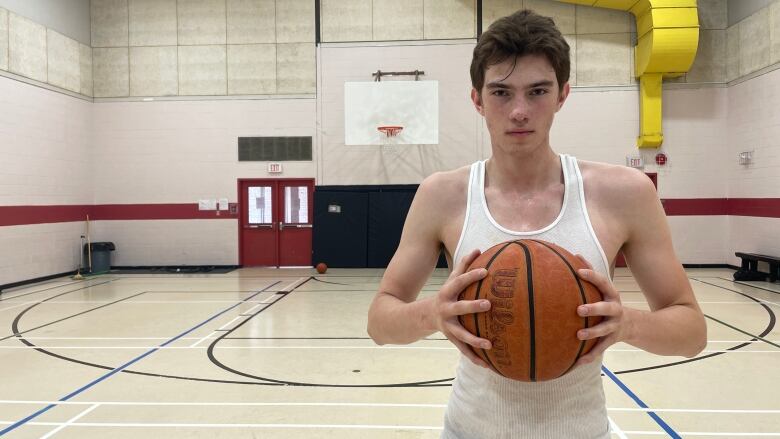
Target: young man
[520, 73]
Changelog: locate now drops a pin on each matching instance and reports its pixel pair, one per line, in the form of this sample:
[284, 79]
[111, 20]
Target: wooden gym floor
[284, 354]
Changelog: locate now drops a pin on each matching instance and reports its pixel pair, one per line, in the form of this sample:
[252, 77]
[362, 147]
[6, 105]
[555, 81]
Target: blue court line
[21, 422]
[669, 430]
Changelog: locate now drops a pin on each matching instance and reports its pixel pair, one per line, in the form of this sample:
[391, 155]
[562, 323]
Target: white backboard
[411, 104]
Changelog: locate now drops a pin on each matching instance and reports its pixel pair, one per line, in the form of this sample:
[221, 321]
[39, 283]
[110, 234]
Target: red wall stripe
[24, 215]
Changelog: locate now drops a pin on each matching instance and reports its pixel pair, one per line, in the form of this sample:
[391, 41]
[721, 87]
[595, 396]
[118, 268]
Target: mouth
[519, 133]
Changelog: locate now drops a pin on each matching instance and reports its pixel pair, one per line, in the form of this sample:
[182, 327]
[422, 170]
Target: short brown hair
[522, 33]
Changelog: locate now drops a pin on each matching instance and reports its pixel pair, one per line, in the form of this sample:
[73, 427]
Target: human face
[519, 101]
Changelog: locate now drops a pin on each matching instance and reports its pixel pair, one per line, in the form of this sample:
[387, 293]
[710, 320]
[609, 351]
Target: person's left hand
[614, 326]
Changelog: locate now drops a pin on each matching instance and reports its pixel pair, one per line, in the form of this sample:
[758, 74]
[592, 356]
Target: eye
[500, 92]
[538, 92]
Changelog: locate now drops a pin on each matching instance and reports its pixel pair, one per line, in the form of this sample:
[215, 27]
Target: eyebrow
[499, 84]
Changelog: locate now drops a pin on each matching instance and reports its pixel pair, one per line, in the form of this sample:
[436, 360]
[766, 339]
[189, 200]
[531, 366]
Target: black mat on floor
[175, 269]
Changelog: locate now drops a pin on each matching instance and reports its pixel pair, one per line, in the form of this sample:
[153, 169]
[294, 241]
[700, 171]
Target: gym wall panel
[251, 21]
[202, 70]
[201, 22]
[398, 20]
[492, 10]
[3, 39]
[754, 42]
[710, 62]
[604, 59]
[110, 72]
[63, 65]
[251, 69]
[152, 22]
[564, 14]
[153, 71]
[603, 21]
[444, 19]
[296, 68]
[774, 32]
[85, 70]
[26, 48]
[732, 52]
[346, 20]
[713, 14]
[295, 21]
[170, 242]
[109, 23]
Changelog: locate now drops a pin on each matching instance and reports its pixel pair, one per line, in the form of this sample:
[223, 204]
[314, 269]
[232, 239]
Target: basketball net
[389, 135]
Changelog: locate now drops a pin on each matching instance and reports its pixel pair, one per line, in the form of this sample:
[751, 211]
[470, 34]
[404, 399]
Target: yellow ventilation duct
[667, 39]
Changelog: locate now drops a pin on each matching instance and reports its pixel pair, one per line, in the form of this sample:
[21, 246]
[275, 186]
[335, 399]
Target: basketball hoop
[390, 130]
[391, 133]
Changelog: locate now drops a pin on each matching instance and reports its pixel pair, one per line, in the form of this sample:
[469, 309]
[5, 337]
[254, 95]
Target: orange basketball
[532, 323]
[321, 268]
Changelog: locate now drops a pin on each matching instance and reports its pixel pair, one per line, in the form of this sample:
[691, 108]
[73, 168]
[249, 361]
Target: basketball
[532, 323]
[322, 268]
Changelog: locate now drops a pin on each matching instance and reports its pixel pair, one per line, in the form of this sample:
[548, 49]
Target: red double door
[275, 227]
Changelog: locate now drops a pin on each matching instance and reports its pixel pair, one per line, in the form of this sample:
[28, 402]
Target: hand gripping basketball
[532, 325]
[614, 326]
[447, 308]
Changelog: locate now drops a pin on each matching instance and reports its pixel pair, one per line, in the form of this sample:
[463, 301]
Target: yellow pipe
[667, 39]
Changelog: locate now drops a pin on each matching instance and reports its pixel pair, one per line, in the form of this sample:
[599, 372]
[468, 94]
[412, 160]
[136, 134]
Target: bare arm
[395, 315]
[675, 324]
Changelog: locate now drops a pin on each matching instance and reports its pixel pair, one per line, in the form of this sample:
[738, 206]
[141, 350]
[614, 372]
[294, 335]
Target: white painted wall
[754, 125]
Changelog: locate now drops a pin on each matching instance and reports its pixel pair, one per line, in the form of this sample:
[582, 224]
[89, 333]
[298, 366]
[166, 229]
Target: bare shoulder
[616, 186]
[443, 191]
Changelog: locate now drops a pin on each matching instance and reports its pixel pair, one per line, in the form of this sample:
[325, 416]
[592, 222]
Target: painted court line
[70, 421]
[116, 370]
[640, 403]
[348, 404]
[614, 428]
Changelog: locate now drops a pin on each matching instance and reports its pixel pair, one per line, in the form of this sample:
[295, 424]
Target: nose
[519, 110]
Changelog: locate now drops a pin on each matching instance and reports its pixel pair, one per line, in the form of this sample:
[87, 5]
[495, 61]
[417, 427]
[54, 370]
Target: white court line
[423, 348]
[228, 323]
[352, 427]
[182, 425]
[353, 404]
[236, 404]
[278, 296]
[702, 433]
[194, 346]
[70, 421]
[16, 306]
[614, 428]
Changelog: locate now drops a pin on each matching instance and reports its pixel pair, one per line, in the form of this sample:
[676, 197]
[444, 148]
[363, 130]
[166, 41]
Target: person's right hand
[447, 308]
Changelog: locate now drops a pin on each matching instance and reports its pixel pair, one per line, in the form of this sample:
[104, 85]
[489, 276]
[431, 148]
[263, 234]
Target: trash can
[101, 256]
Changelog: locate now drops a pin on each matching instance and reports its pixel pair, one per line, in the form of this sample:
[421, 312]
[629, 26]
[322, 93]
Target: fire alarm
[660, 159]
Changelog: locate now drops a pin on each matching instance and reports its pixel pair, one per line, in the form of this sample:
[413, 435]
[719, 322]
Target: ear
[476, 98]
[563, 95]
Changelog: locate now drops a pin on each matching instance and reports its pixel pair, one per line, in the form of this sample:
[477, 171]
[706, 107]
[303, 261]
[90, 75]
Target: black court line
[47, 289]
[747, 285]
[770, 326]
[16, 333]
[316, 338]
[216, 362]
[15, 328]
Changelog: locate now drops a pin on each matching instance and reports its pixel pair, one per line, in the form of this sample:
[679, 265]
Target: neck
[530, 173]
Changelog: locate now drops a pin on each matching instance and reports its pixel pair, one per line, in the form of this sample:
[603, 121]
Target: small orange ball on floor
[322, 268]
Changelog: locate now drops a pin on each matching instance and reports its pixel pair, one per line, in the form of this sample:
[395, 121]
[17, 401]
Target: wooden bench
[749, 270]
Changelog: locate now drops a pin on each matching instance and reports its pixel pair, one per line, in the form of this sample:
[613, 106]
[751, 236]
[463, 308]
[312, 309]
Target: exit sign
[634, 161]
[274, 168]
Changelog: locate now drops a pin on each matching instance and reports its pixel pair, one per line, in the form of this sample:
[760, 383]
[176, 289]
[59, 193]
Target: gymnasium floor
[284, 354]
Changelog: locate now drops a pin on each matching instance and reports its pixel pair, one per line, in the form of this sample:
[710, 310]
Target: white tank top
[483, 404]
